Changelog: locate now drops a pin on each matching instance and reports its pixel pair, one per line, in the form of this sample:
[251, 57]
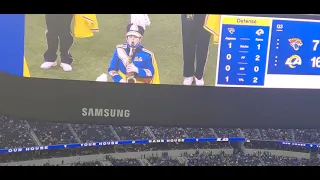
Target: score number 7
[316, 43]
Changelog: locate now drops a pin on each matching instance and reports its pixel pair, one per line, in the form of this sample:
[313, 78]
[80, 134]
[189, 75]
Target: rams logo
[293, 61]
[259, 32]
[231, 30]
[296, 43]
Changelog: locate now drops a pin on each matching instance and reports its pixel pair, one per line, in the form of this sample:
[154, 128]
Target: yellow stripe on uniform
[26, 72]
[212, 25]
[156, 76]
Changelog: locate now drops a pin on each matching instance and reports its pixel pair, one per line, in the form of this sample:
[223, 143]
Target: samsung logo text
[95, 112]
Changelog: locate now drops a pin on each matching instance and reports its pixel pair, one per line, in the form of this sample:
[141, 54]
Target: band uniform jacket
[143, 59]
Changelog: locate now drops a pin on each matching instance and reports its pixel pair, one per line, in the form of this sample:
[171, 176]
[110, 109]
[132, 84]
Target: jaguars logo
[231, 30]
[295, 43]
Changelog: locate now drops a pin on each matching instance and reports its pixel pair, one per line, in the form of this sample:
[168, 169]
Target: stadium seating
[20, 133]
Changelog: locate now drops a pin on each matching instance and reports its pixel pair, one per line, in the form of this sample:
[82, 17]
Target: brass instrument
[130, 75]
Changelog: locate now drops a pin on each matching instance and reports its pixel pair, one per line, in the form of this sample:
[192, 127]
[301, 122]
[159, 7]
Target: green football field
[92, 55]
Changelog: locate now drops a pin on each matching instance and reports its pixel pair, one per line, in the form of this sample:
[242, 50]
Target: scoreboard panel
[243, 51]
[290, 41]
[268, 52]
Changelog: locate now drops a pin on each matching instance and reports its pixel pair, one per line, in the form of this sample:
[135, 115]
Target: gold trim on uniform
[153, 63]
[147, 51]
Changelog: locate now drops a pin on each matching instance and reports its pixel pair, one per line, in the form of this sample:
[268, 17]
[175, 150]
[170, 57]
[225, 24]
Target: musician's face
[133, 40]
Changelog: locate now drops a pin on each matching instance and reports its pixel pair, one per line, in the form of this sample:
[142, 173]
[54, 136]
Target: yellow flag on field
[212, 24]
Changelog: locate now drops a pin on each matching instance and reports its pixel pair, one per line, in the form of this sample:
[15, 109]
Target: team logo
[296, 43]
[138, 59]
[293, 61]
[260, 32]
[231, 30]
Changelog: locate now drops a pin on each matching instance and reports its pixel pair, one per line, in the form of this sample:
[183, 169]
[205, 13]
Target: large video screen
[170, 49]
[175, 49]
[75, 67]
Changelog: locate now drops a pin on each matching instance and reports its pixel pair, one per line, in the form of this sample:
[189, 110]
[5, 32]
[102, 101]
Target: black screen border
[160, 105]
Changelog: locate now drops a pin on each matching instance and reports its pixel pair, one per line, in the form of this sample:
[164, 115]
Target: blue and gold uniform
[131, 62]
[143, 59]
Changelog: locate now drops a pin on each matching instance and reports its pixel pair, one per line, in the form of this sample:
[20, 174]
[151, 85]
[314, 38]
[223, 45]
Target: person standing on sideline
[195, 43]
[58, 33]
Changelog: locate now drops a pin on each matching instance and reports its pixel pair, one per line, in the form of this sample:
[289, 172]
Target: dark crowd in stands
[21, 133]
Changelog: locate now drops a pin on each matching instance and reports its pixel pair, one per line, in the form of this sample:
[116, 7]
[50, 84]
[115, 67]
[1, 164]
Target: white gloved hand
[142, 20]
[123, 81]
[131, 68]
[102, 78]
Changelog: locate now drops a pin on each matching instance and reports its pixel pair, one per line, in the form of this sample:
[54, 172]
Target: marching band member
[131, 62]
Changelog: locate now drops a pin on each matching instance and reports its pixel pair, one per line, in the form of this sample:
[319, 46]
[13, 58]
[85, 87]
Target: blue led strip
[125, 142]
